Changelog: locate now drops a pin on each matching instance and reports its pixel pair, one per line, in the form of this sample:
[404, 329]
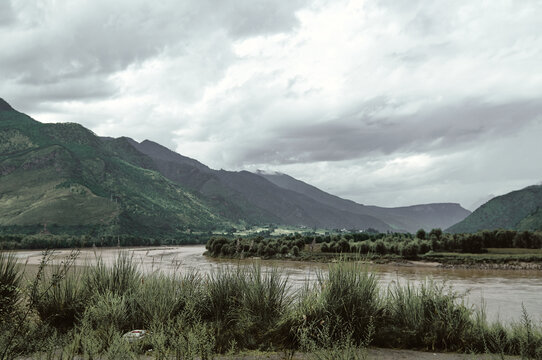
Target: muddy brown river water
[502, 291]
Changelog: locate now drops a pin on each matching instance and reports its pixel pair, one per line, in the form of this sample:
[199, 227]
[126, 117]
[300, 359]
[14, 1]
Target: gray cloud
[360, 134]
[6, 13]
[89, 42]
[406, 101]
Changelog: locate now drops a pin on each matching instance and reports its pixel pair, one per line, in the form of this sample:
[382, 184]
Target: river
[502, 291]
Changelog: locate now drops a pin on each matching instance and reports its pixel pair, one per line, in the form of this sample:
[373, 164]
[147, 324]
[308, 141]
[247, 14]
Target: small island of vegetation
[495, 249]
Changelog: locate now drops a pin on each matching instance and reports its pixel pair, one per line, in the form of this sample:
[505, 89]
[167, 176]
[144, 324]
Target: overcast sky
[383, 102]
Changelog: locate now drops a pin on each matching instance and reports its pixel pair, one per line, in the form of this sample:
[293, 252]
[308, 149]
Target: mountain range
[67, 177]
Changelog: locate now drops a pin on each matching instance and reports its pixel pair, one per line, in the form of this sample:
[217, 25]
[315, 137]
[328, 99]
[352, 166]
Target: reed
[10, 283]
[430, 316]
[85, 311]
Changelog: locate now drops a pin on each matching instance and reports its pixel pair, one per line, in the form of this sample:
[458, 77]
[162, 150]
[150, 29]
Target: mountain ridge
[516, 210]
[153, 185]
[405, 218]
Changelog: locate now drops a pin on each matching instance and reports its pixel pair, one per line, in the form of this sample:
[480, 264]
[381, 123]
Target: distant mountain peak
[158, 151]
[4, 106]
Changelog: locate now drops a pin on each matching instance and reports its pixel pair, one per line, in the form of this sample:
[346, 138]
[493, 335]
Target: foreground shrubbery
[66, 311]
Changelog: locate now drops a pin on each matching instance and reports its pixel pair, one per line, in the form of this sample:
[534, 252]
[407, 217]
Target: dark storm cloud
[44, 98]
[66, 43]
[430, 130]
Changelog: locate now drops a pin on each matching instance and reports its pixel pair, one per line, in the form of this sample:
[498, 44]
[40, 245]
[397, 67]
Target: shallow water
[503, 291]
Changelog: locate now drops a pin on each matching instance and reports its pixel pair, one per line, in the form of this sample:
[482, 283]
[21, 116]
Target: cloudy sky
[383, 102]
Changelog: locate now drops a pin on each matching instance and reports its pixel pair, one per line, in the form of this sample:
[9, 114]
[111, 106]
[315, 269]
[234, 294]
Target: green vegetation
[66, 312]
[504, 246]
[518, 210]
[48, 241]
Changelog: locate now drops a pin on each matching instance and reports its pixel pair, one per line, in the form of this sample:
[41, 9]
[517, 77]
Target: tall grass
[62, 303]
[240, 301]
[427, 316]
[10, 281]
[122, 277]
[351, 299]
[344, 303]
[160, 297]
[85, 311]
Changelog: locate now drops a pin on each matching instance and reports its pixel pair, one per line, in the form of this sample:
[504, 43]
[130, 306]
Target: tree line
[50, 241]
[406, 245]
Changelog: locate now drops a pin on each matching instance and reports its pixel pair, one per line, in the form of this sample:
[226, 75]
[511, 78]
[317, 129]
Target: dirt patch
[375, 354]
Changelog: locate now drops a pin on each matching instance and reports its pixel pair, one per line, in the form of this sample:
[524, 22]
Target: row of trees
[257, 246]
[405, 245]
[408, 246]
[49, 241]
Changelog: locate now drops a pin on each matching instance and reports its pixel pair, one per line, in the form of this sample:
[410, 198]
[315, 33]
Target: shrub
[409, 250]
[343, 246]
[364, 247]
[269, 250]
[425, 247]
[284, 249]
[107, 311]
[380, 247]
[324, 247]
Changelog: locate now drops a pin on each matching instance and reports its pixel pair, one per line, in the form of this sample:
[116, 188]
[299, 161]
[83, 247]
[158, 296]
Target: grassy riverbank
[70, 311]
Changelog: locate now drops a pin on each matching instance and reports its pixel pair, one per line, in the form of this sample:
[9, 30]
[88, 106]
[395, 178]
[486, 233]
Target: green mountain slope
[63, 174]
[244, 196]
[518, 210]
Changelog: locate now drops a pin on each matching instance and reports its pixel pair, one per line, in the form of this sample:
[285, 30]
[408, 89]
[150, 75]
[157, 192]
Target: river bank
[347, 307]
[446, 261]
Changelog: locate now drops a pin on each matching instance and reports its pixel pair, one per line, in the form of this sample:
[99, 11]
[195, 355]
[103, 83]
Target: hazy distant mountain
[409, 218]
[518, 210]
